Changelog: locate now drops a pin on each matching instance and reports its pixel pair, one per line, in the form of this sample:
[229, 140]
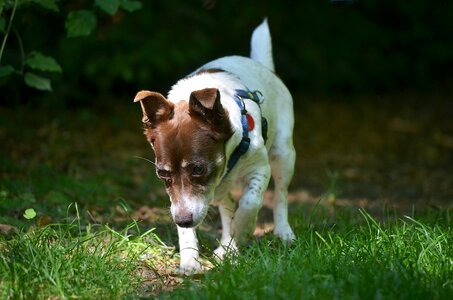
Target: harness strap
[258, 98]
[244, 145]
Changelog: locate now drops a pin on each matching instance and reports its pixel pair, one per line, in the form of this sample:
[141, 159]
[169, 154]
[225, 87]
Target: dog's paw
[192, 268]
[224, 250]
[285, 233]
[189, 264]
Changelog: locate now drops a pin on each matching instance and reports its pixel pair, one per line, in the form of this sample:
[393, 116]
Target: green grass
[70, 260]
[401, 259]
[406, 259]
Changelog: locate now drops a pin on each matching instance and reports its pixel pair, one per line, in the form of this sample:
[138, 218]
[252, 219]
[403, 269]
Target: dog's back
[257, 73]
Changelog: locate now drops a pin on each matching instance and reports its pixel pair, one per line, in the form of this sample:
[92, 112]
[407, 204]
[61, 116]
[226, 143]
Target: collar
[247, 125]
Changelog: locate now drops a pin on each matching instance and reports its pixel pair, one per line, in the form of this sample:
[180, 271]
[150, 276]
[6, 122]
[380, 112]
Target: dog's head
[188, 139]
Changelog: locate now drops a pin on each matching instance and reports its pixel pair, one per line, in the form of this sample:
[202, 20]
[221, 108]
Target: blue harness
[244, 145]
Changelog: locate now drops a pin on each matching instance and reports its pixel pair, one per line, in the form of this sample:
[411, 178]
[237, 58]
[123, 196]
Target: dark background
[320, 47]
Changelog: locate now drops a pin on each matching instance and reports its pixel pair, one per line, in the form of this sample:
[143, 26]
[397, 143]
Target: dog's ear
[155, 108]
[206, 104]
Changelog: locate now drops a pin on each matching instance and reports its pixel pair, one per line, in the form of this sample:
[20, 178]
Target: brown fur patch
[189, 139]
[155, 108]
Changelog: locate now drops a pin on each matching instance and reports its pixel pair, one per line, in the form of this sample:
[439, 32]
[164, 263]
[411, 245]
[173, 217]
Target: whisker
[145, 159]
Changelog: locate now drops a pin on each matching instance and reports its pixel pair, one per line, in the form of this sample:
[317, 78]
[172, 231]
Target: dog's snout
[184, 220]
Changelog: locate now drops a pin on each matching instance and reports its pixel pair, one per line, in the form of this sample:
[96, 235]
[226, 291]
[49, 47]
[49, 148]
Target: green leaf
[49, 4]
[80, 23]
[108, 6]
[131, 6]
[41, 62]
[6, 70]
[37, 82]
[2, 23]
[29, 213]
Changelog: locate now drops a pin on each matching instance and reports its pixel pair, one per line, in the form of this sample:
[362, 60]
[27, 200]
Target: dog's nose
[184, 220]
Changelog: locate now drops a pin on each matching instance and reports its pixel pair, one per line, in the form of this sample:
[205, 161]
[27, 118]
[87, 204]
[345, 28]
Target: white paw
[285, 233]
[224, 250]
[220, 252]
[190, 268]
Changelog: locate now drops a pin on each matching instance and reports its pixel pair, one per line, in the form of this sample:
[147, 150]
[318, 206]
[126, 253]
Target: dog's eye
[198, 170]
[164, 174]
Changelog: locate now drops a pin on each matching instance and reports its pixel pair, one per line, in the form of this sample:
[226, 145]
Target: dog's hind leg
[282, 158]
[227, 208]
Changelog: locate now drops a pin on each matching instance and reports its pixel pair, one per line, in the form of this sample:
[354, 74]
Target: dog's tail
[261, 46]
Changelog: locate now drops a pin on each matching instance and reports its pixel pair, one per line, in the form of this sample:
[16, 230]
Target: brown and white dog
[227, 125]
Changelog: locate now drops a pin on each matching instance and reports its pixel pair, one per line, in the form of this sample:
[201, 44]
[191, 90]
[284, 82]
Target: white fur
[184, 163]
[227, 209]
[188, 249]
[261, 46]
[254, 169]
[197, 205]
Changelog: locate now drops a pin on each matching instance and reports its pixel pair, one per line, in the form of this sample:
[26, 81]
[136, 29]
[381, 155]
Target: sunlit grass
[405, 259]
[71, 260]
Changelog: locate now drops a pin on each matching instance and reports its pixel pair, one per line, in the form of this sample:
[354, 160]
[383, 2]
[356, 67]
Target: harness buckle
[259, 96]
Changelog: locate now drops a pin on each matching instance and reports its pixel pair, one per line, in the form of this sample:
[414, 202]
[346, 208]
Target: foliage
[320, 46]
[29, 213]
[78, 23]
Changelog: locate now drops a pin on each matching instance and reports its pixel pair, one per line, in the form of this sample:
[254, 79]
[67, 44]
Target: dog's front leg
[188, 250]
[244, 220]
[227, 208]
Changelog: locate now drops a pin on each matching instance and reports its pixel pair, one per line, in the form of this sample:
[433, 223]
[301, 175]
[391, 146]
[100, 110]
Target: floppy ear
[206, 104]
[155, 108]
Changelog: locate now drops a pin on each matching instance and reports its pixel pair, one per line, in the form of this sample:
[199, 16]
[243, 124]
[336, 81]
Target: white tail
[261, 46]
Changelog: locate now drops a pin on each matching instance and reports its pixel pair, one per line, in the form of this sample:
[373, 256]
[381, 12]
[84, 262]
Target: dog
[227, 125]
